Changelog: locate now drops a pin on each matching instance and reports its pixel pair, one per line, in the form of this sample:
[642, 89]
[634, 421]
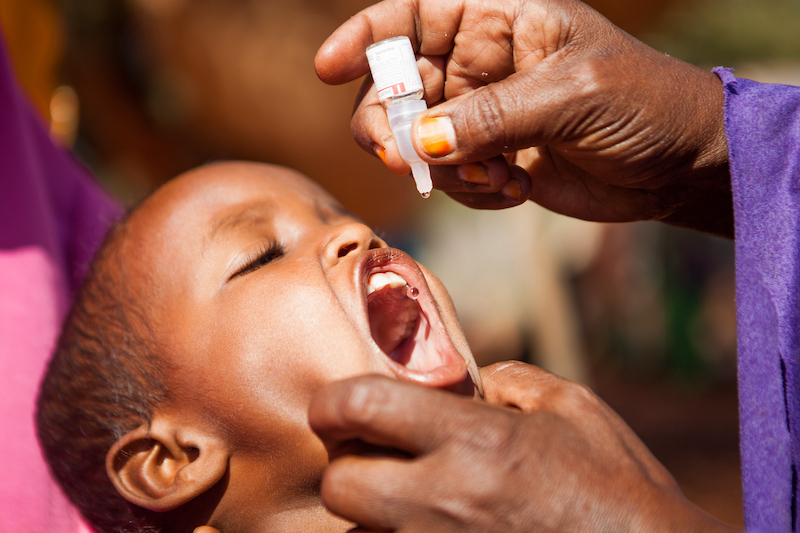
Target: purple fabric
[52, 218]
[763, 130]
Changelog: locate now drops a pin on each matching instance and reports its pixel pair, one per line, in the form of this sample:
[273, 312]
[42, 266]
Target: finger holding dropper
[394, 70]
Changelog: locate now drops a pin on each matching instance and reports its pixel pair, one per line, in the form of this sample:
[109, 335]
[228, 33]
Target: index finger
[386, 412]
[431, 26]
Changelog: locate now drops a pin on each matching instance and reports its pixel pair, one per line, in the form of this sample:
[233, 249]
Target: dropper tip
[422, 176]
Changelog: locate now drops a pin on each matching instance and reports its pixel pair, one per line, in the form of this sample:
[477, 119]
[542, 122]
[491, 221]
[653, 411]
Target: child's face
[259, 294]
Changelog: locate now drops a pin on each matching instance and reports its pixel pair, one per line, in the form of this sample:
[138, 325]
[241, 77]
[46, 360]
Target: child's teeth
[382, 279]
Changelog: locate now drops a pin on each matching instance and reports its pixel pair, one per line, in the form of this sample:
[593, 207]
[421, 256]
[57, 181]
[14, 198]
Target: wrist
[702, 196]
[670, 511]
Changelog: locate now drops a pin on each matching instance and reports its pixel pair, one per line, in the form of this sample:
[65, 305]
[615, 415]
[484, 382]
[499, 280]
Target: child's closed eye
[260, 257]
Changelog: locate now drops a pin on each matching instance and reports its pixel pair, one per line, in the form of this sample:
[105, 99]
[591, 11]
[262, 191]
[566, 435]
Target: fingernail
[512, 190]
[475, 173]
[437, 136]
[381, 153]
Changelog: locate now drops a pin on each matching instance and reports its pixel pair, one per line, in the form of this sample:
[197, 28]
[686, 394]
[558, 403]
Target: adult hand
[548, 455]
[595, 124]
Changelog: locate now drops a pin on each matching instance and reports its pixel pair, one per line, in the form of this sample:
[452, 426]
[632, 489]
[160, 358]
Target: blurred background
[142, 90]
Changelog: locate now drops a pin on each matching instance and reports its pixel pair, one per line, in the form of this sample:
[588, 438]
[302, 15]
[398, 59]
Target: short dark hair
[105, 379]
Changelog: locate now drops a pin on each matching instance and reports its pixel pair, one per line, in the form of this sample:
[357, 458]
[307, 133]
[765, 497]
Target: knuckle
[581, 393]
[587, 84]
[496, 436]
[360, 400]
[546, 397]
[368, 126]
[360, 132]
[593, 79]
[484, 455]
[553, 393]
[577, 397]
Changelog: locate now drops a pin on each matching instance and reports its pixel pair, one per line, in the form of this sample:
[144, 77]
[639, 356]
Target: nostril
[375, 244]
[347, 248]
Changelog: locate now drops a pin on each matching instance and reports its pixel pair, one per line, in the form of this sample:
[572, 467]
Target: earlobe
[165, 465]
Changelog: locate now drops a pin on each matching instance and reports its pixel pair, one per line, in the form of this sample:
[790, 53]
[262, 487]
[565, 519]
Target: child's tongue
[392, 318]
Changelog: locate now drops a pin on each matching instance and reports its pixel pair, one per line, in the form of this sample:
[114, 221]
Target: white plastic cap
[401, 116]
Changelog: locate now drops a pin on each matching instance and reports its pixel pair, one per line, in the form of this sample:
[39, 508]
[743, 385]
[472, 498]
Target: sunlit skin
[256, 284]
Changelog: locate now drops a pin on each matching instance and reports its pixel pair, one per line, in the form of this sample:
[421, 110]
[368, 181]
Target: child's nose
[350, 239]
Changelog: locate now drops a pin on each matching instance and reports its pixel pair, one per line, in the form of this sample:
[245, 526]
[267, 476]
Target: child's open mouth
[395, 319]
[405, 322]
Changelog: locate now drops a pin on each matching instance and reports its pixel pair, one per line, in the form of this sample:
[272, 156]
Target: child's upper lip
[452, 369]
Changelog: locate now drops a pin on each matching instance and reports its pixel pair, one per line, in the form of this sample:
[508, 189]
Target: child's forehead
[185, 212]
[229, 182]
[203, 193]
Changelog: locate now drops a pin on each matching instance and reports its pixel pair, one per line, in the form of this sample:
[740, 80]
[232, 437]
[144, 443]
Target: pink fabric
[52, 218]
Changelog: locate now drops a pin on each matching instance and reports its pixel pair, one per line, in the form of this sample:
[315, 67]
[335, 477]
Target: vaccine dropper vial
[394, 70]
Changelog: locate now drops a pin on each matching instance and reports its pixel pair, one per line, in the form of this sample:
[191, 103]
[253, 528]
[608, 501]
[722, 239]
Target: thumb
[518, 112]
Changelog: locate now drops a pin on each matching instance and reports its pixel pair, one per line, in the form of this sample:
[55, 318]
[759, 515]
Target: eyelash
[263, 255]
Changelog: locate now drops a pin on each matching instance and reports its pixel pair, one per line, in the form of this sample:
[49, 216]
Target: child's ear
[166, 464]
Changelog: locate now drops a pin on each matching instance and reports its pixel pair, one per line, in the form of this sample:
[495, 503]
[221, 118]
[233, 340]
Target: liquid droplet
[425, 194]
[412, 292]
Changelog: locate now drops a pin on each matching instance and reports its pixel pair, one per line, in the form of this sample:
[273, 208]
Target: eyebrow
[259, 213]
[250, 216]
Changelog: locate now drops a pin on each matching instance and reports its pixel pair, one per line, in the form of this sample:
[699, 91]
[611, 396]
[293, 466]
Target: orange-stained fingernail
[512, 190]
[381, 153]
[437, 136]
[475, 173]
